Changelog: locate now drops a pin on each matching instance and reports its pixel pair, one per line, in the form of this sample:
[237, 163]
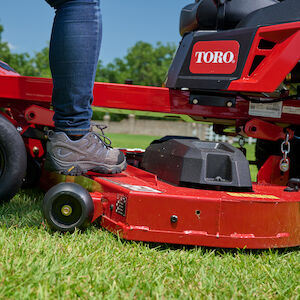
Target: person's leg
[74, 49]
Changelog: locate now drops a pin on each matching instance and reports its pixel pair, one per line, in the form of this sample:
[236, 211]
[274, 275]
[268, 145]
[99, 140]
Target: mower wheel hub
[66, 210]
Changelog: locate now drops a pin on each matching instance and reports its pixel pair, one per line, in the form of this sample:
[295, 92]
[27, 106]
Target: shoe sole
[76, 170]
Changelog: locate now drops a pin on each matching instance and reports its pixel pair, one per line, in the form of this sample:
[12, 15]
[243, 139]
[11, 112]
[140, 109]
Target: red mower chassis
[136, 204]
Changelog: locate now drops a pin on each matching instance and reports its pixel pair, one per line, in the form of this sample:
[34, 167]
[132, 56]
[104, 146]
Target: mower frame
[136, 204]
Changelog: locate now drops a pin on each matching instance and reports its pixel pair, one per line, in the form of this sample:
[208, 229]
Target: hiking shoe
[89, 153]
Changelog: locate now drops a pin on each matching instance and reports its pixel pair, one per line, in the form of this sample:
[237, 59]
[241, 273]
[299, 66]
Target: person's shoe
[89, 153]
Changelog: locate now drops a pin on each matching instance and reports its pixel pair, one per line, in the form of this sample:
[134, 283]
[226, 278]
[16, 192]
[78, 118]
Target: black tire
[13, 160]
[33, 173]
[68, 206]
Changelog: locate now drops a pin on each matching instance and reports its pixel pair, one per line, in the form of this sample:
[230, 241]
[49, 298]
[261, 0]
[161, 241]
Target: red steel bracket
[39, 115]
[267, 131]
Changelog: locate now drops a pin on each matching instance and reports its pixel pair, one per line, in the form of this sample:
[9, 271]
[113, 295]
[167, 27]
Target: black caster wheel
[68, 206]
[13, 160]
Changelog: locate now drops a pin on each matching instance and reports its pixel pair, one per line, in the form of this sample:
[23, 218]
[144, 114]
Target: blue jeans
[74, 52]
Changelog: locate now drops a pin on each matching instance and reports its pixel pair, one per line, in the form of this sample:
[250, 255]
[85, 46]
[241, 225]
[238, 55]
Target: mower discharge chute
[237, 67]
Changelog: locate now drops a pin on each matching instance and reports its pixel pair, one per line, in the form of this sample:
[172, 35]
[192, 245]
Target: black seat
[198, 16]
[238, 10]
[202, 15]
[284, 12]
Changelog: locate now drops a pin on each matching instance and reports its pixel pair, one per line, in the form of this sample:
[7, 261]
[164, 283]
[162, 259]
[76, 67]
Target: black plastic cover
[180, 76]
[194, 163]
[284, 12]
[238, 10]
[202, 15]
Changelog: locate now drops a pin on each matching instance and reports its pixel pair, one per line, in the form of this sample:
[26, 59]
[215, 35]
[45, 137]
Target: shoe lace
[101, 136]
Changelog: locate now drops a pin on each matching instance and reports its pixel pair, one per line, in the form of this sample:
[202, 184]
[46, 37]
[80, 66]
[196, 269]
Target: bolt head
[284, 167]
[229, 104]
[66, 210]
[174, 219]
[35, 150]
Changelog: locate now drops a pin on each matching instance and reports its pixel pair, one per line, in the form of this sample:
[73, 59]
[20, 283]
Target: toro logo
[215, 57]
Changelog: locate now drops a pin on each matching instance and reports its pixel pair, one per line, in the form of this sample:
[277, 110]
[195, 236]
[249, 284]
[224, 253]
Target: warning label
[270, 110]
[136, 188]
[291, 110]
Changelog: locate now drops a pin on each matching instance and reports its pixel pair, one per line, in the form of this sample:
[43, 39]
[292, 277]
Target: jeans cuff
[73, 131]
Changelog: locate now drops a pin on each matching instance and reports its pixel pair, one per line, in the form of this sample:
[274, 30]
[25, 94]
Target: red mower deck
[138, 206]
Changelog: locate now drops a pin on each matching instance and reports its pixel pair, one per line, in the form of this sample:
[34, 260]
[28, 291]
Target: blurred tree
[23, 63]
[41, 63]
[144, 64]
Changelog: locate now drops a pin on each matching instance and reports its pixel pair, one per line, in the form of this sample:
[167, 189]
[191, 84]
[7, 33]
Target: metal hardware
[284, 164]
[121, 206]
[242, 143]
[66, 210]
[293, 185]
[174, 219]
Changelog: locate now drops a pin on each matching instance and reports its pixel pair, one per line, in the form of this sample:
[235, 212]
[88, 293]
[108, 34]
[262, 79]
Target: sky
[27, 24]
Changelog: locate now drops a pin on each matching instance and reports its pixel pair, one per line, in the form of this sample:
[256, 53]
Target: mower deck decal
[258, 196]
[136, 188]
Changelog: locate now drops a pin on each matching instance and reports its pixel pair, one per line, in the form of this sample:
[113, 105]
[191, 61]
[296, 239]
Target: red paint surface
[278, 61]
[22, 92]
[265, 218]
[267, 131]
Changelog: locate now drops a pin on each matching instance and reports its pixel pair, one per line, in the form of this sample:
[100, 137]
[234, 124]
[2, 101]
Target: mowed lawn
[95, 264]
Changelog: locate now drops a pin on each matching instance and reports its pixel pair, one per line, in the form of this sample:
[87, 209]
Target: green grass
[38, 264]
[131, 141]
